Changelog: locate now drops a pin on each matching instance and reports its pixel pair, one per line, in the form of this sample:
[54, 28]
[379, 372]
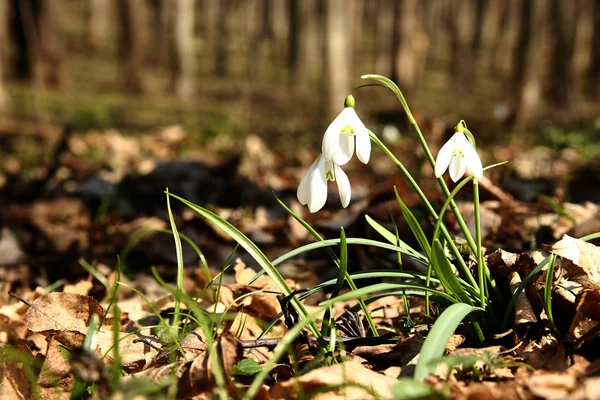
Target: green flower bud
[349, 102]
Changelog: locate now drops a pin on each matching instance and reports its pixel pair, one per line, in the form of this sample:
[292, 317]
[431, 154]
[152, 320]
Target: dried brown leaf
[584, 255]
[55, 380]
[339, 374]
[64, 315]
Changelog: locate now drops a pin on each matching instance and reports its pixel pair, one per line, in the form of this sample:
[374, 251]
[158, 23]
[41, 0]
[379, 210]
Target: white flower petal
[473, 161]
[331, 139]
[345, 150]
[458, 166]
[363, 146]
[443, 158]
[343, 184]
[317, 187]
[303, 188]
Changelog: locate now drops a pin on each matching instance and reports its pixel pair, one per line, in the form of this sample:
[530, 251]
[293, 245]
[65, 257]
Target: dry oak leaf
[333, 375]
[55, 380]
[583, 254]
[64, 315]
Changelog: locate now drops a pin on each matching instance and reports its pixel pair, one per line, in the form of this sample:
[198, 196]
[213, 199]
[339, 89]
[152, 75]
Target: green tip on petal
[349, 102]
[461, 127]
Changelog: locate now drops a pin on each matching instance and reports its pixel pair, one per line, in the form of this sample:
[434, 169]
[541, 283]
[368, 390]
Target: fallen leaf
[55, 380]
[339, 374]
[584, 255]
[64, 315]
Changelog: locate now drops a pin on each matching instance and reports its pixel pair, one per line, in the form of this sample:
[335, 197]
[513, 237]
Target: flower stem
[479, 254]
[425, 201]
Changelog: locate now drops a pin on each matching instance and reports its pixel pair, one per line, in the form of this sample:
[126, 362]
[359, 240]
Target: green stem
[459, 219]
[425, 201]
[479, 254]
[386, 82]
[336, 260]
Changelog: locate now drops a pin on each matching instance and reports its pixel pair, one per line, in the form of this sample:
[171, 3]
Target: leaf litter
[49, 329]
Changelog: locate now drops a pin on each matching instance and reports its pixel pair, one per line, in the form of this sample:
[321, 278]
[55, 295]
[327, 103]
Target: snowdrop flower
[312, 190]
[338, 141]
[458, 154]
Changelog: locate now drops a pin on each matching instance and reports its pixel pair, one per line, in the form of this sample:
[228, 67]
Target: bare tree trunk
[296, 46]
[337, 54]
[525, 37]
[51, 42]
[4, 99]
[131, 45]
[562, 19]
[35, 32]
[219, 36]
[263, 36]
[314, 51]
[163, 19]
[462, 66]
[184, 66]
[497, 33]
[4, 4]
[593, 72]
[405, 66]
[386, 39]
[529, 79]
[98, 19]
[480, 8]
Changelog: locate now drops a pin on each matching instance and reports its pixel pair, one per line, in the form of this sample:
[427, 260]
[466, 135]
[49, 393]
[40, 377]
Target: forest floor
[85, 209]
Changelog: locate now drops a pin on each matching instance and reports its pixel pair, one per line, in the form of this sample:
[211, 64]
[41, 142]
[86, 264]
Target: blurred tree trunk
[529, 71]
[131, 50]
[525, 37]
[593, 71]
[337, 71]
[496, 32]
[184, 65]
[263, 36]
[35, 31]
[217, 13]
[562, 19]
[386, 37]
[298, 17]
[98, 19]
[480, 8]
[163, 16]
[462, 37]
[411, 44]
[4, 99]
[51, 41]
[314, 50]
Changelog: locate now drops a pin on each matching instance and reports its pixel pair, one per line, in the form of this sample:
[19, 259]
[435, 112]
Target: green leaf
[438, 337]
[407, 388]
[247, 367]
[390, 237]
[414, 225]
[445, 273]
[255, 252]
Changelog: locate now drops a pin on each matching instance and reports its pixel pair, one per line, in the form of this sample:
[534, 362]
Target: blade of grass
[443, 270]
[414, 225]
[326, 329]
[205, 324]
[335, 259]
[548, 295]
[437, 339]
[255, 252]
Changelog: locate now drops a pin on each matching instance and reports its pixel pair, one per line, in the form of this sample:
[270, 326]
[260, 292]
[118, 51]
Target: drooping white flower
[338, 141]
[312, 190]
[458, 154]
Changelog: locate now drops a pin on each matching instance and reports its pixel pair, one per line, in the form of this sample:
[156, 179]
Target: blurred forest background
[280, 69]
